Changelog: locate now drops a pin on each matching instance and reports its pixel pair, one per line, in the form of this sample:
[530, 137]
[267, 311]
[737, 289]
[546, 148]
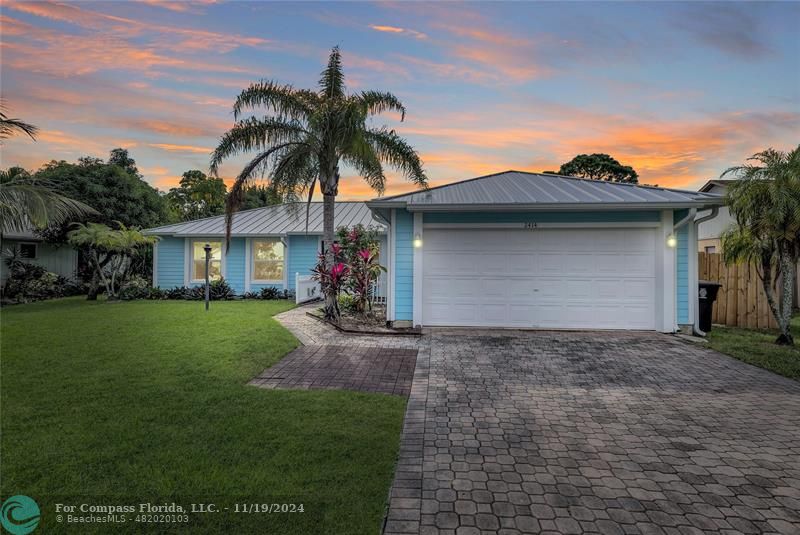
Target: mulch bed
[364, 369]
[353, 325]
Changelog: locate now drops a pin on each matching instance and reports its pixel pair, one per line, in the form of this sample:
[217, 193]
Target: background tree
[115, 191]
[307, 136]
[198, 196]
[765, 203]
[598, 167]
[259, 195]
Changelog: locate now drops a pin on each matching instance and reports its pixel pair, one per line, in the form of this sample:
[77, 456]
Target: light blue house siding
[541, 217]
[170, 264]
[235, 265]
[303, 251]
[404, 266]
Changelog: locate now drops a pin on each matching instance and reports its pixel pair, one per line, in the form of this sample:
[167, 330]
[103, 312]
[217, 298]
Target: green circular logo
[20, 515]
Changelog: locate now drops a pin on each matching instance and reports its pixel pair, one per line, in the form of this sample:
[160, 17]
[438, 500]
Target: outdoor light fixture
[207, 249]
[417, 241]
[672, 241]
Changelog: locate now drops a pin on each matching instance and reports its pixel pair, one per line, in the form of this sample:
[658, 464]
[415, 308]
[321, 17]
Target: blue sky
[680, 91]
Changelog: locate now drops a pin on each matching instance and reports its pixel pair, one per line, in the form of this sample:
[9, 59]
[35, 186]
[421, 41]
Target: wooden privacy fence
[741, 301]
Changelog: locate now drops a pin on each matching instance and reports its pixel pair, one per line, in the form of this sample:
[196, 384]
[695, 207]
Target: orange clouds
[181, 148]
[397, 30]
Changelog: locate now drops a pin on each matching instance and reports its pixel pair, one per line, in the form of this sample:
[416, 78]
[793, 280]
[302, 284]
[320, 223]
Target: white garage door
[545, 278]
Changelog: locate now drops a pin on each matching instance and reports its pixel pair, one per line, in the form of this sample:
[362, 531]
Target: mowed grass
[125, 403]
[758, 348]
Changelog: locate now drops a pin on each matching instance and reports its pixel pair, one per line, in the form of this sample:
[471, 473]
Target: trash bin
[706, 295]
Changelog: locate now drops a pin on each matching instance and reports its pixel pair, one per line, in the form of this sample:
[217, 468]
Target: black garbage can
[706, 295]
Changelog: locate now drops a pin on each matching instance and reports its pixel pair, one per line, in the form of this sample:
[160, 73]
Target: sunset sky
[679, 91]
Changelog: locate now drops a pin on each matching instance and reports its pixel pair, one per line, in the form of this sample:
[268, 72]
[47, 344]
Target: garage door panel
[547, 278]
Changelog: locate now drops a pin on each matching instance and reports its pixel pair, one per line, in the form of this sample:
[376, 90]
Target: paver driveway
[510, 432]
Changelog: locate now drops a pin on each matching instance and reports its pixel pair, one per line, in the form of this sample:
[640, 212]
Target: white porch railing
[305, 289]
[379, 290]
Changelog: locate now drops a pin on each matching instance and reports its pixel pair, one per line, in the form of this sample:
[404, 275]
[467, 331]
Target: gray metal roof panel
[274, 220]
[523, 188]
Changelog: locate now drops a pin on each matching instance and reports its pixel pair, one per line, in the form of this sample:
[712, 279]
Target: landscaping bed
[357, 324]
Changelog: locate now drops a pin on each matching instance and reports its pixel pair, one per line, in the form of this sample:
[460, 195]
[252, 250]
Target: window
[199, 261]
[27, 250]
[711, 249]
[268, 256]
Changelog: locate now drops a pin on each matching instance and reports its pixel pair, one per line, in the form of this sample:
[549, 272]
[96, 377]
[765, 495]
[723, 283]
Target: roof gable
[534, 190]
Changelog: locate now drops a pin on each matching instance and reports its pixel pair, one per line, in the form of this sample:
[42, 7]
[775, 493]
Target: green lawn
[121, 403]
[758, 348]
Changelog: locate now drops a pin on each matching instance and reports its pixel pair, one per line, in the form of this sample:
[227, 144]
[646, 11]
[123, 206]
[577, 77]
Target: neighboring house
[269, 246]
[60, 259]
[709, 232]
[529, 250]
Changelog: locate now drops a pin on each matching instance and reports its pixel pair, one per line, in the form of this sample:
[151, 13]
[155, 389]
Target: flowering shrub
[331, 281]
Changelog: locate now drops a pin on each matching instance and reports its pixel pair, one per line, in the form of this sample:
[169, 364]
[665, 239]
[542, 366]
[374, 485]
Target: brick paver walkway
[368, 369]
[525, 432]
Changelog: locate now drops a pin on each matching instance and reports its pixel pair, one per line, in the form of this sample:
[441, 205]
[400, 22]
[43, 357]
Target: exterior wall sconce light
[672, 241]
[417, 241]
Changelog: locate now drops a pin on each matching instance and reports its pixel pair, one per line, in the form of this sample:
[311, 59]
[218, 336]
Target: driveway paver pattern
[367, 369]
[594, 432]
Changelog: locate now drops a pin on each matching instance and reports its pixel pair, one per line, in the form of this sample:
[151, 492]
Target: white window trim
[189, 264]
[251, 261]
[35, 250]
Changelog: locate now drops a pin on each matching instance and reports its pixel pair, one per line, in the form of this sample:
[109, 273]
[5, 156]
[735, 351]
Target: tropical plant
[305, 139]
[598, 167]
[30, 282]
[110, 251]
[765, 204]
[360, 248]
[331, 279]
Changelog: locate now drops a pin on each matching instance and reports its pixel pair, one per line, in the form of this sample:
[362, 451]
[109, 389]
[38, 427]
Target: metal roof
[708, 186]
[276, 220]
[516, 190]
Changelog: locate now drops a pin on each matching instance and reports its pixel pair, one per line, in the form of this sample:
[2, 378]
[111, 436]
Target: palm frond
[27, 204]
[288, 103]
[10, 126]
[376, 102]
[255, 134]
[331, 81]
[395, 151]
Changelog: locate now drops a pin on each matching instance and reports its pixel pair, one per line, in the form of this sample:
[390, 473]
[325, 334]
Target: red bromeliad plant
[331, 281]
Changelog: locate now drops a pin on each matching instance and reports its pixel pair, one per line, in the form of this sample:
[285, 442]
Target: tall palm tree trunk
[328, 236]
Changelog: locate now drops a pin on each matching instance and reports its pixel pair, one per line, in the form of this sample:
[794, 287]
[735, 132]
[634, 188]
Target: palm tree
[765, 203]
[307, 135]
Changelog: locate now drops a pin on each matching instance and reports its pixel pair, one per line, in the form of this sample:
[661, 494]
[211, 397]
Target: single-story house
[269, 246]
[61, 259]
[512, 249]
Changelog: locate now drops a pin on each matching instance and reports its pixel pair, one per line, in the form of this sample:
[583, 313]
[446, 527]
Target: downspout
[696, 325]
